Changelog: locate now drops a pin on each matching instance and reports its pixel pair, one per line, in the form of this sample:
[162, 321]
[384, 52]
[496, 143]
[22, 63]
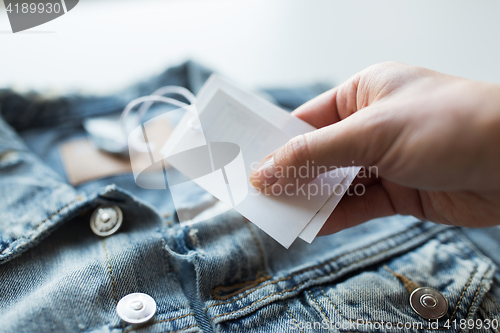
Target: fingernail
[264, 174]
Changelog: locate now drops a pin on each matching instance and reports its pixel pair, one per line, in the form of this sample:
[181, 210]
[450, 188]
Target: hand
[434, 138]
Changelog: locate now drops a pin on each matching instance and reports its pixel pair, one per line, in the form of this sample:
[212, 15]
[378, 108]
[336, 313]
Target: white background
[102, 46]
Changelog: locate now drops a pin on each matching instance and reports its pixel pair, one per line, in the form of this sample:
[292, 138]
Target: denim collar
[35, 199]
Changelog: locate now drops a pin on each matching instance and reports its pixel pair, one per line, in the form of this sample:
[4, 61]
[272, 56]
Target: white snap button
[136, 305]
[136, 308]
[428, 303]
[106, 220]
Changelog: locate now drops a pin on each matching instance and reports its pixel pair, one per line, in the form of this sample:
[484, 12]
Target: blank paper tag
[228, 114]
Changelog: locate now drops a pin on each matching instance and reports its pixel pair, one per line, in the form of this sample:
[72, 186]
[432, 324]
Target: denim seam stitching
[407, 283]
[379, 322]
[261, 274]
[321, 266]
[463, 293]
[115, 295]
[162, 321]
[40, 224]
[183, 329]
[319, 306]
[110, 272]
[291, 315]
[244, 286]
[259, 247]
[452, 315]
[294, 288]
[477, 293]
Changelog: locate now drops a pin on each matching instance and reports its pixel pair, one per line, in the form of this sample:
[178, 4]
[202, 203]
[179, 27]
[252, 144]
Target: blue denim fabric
[220, 275]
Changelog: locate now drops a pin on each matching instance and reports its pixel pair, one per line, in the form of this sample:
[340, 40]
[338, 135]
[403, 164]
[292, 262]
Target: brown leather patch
[83, 161]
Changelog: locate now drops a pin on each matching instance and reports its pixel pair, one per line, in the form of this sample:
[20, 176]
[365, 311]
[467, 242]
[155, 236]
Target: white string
[164, 91]
[147, 102]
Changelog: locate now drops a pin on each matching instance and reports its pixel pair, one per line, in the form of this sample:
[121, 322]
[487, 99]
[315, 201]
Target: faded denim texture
[220, 275]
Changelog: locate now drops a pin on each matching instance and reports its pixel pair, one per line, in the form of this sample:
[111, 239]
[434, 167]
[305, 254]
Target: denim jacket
[219, 275]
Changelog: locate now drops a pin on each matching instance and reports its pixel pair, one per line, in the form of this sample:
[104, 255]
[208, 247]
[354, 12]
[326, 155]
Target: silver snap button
[136, 308]
[428, 303]
[106, 220]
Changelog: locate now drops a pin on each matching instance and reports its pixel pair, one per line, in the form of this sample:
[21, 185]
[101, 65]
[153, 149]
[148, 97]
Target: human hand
[434, 138]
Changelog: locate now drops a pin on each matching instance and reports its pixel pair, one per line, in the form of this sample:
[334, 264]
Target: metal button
[136, 308]
[106, 220]
[428, 303]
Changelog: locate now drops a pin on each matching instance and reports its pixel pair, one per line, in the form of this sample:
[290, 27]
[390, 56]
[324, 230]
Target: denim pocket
[365, 294]
[377, 298]
[489, 310]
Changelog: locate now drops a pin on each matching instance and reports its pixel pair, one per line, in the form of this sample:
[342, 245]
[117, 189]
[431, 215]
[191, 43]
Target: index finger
[331, 106]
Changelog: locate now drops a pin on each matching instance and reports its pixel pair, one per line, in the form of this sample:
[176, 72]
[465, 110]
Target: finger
[367, 176]
[405, 200]
[320, 111]
[354, 210]
[361, 139]
[331, 106]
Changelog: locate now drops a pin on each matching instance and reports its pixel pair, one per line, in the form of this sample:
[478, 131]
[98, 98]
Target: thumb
[361, 139]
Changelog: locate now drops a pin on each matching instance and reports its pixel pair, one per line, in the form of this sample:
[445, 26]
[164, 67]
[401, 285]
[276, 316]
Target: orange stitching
[322, 265]
[294, 288]
[299, 285]
[407, 283]
[257, 301]
[350, 320]
[78, 198]
[364, 321]
[160, 321]
[174, 318]
[477, 293]
[374, 322]
[257, 244]
[112, 278]
[463, 293]
[291, 315]
[243, 296]
[246, 284]
[320, 307]
[451, 318]
[185, 328]
[242, 284]
[110, 272]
